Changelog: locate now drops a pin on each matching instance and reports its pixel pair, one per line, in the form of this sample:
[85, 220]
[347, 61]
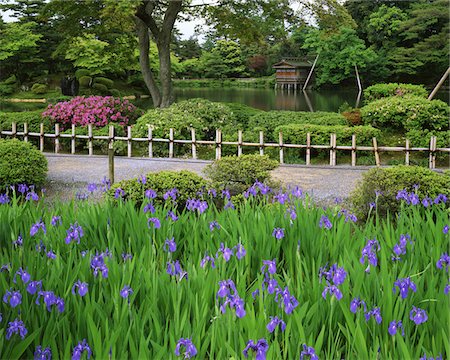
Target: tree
[224, 60]
[383, 29]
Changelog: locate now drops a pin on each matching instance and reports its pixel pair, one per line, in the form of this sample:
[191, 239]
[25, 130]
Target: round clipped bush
[238, 173]
[82, 72]
[188, 185]
[104, 81]
[85, 81]
[39, 88]
[102, 89]
[380, 186]
[11, 80]
[379, 91]
[115, 92]
[21, 163]
[407, 113]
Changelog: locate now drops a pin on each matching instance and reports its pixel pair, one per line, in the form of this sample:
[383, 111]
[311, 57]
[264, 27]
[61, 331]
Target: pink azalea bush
[97, 110]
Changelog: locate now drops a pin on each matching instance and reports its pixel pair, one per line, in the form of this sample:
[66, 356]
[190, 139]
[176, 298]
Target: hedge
[33, 118]
[320, 134]
[421, 138]
[39, 88]
[379, 91]
[104, 81]
[406, 113]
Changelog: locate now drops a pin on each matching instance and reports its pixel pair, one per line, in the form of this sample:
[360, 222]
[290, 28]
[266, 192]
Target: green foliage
[389, 181]
[242, 114]
[11, 80]
[6, 90]
[237, 174]
[115, 92]
[320, 134]
[187, 183]
[224, 60]
[21, 163]
[102, 89]
[408, 112]
[32, 118]
[421, 138]
[85, 81]
[379, 91]
[104, 81]
[82, 72]
[39, 88]
[383, 29]
[268, 121]
[16, 38]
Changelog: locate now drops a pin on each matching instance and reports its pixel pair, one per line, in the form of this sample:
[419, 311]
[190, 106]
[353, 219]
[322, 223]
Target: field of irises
[273, 276]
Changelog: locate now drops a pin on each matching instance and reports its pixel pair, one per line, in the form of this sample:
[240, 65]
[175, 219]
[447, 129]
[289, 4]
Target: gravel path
[68, 174]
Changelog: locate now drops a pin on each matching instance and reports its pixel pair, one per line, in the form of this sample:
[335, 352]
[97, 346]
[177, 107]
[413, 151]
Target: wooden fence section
[218, 143]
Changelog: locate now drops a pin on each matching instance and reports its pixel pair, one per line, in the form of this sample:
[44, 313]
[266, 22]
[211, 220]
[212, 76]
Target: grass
[163, 309]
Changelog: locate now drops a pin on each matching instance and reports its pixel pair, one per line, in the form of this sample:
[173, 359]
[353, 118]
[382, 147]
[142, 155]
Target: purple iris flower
[240, 251]
[281, 198]
[447, 289]
[229, 205]
[149, 208]
[324, 222]
[22, 188]
[82, 196]
[400, 247]
[74, 233]
[357, 303]
[308, 353]
[274, 322]
[5, 267]
[119, 193]
[278, 233]
[260, 349]
[440, 198]
[263, 188]
[56, 220]
[170, 245]
[126, 256]
[42, 354]
[375, 313]
[272, 285]
[255, 294]
[14, 298]
[214, 225]
[171, 194]
[155, 221]
[226, 194]
[92, 187]
[98, 265]
[19, 241]
[333, 290]
[234, 301]
[174, 269]
[404, 285]
[126, 291]
[32, 196]
[82, 288]
[418, 315]
[394, 326]
[334, 274]
[443, 262]
[34, 286]
[16, 327]
[225, 288]
[291, 212]
[424, 357]
[142, 179]
[445, 229]
[207, 259]
[426, 201]
[289, 300]
[270, 265]
[297, 192]
[252, 190]
[226, 252]
[4, 199]
[106, 184]
[50, 299]
[80, 349]
[23, 275]
[171, 215]
[150, 194]
[50, 254]
[348, 215]
[189, 348]
[35, 228]
[196, 205]
[369, 252]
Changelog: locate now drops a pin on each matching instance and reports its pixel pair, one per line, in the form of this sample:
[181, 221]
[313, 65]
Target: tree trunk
[144, 62]
[165, 74]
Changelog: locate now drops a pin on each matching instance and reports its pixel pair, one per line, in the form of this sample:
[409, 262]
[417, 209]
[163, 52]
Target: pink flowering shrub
[97, 110]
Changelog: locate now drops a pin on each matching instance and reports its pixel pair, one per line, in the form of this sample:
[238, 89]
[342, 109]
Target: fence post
[331, 150]
[407, 152]
[150, 141]
[129, 140]
[193, 146]
[171, 143]
[25, 132]
[308, 148]
[90, 143]
[261, 143]
[111, 154]
[218, 144]
[14, 130]
[72, 141]
[41, 137]
[56, 138]
[239, 142]
[375, 149]
[353, 150]
[280, 143]
[432, 152]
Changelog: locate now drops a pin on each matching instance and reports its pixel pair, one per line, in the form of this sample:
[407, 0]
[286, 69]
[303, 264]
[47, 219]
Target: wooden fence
[332, 147]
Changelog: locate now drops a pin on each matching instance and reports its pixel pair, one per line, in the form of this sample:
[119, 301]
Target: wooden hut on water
[291, 73]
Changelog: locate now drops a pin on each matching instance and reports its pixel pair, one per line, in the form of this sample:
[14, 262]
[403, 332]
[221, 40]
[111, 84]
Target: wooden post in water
[111, 154]
[439, 84]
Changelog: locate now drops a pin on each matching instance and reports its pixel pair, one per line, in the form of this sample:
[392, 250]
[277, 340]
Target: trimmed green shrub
[11, 80]
[421, 138]
[33, 118]
[21, 163]
[387, 182]
[115, 92]
[237, 174]
[408, 112]
[82, 72]
[379, 91]
[101, 88]
[242, 114]
[6, 90]
[187, 183]
[104, 81]
[85, 81]
[58, 99]
[39, 88]
[320, 134]
[268, 121]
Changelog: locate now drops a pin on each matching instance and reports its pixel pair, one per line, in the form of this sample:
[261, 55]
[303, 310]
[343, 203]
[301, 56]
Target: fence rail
[433, 150]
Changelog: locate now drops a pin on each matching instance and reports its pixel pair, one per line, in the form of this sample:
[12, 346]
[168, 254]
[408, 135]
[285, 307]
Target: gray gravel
[69, 174]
